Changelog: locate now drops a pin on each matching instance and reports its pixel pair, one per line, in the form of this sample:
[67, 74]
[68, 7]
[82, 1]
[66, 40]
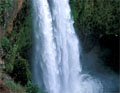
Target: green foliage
[98, 16]
[5, 44]
[14, 88]
[3, 76]
[24, 38]
[16, 46]
[10, 58]
[17, 57]
[9, 53]
[21, 72]
[5, 6]
[31, 88]
[10, 84]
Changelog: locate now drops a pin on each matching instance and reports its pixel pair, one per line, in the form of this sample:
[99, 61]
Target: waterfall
[56, 63]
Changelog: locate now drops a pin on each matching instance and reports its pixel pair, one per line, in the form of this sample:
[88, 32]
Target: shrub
[10, 58]
[98, 16]
[21, 72]
[5, 44]
[14, 88]
[31, 88]
[5, 6]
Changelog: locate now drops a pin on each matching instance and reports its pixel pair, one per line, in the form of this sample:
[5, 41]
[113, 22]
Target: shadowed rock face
[103, 61]
[111, 44]
[107, 48]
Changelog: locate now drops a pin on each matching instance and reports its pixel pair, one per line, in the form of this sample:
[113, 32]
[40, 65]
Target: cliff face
[12, 11]
[15, 30]
[97, 25]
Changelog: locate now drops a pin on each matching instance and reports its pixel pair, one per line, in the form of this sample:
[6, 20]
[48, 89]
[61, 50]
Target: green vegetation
[5, 7]
[21, 71]
[97, 22]
[15, 88]
[100, 17]
[16, 46]
[7, 85]
[31, 88]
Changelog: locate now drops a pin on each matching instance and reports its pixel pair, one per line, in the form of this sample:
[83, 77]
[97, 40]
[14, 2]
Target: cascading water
[56, 64]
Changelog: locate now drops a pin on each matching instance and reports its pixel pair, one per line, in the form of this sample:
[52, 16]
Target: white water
[56, 64]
